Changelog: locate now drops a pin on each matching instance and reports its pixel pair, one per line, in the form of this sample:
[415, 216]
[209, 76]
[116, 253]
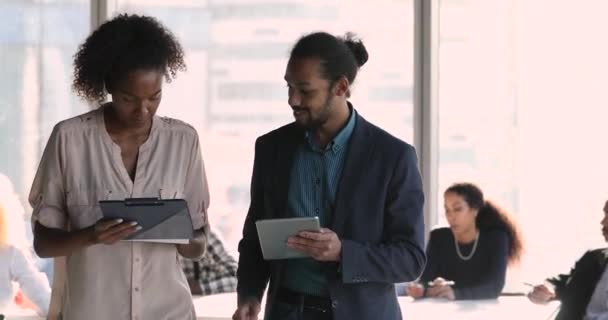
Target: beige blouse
[82, 165]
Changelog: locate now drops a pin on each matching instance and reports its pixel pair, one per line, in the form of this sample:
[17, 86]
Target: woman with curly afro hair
[469, 259]
[120, 150]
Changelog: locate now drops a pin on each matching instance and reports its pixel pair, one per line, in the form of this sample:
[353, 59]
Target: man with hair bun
[362, 183]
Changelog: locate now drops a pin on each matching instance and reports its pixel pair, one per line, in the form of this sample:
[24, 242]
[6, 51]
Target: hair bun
[356, 47]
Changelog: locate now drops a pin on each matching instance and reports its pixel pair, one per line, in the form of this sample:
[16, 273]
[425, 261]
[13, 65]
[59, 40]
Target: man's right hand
[112, 231]
[541, 294]
[248, 310]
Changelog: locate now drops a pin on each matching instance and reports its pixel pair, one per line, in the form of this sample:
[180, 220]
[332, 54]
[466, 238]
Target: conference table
[507, 307]
[221, 307]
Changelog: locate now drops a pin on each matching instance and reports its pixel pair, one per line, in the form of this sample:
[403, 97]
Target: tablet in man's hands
[273, 234]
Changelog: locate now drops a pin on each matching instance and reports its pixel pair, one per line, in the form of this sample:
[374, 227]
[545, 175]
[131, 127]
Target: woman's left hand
[196, 247]
[441, 290]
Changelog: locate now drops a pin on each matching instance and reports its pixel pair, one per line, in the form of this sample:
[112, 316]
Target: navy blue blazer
[575, 289]
[378, 217]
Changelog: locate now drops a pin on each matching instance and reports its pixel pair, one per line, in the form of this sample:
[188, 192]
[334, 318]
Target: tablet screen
[273, 234]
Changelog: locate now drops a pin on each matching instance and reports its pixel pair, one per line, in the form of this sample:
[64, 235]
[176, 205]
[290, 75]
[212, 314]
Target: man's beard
[316, 123]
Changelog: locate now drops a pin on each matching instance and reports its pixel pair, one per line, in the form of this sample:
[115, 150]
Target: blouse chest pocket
[170, 193]
[83, 206]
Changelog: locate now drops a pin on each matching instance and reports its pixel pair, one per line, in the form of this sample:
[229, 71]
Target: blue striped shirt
[313, 185]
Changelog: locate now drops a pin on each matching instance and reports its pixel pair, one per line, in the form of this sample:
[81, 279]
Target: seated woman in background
[469, 259]
[16, 266]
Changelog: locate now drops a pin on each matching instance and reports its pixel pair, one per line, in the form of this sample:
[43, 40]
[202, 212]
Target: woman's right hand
[415, 290]
[112, 231]
[541, 294]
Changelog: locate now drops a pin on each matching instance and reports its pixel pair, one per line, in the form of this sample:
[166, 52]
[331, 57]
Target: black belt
[303, 300]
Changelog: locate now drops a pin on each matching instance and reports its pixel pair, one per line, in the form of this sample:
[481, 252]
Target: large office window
[521, 97]
[37, 41]
[522, 105]
[234, 90]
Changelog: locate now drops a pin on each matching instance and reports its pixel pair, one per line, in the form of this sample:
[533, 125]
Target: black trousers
[290, 305]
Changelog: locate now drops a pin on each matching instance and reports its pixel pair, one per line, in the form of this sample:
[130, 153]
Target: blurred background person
[468, 259]
[214, 272]
[16, 263]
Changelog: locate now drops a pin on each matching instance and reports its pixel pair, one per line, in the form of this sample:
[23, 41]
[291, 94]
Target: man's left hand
[323, 245]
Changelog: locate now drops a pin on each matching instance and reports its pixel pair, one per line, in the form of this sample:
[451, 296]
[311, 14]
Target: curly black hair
[119, 46]
[491, 216]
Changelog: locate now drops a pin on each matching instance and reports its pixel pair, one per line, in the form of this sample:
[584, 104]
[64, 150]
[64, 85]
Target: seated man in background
[214, 273]
[583, 293]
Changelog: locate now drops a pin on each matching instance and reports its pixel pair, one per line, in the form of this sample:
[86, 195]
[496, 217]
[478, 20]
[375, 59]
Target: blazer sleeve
[253, 271]
[400, 257]
[492, 281]
[581, 266]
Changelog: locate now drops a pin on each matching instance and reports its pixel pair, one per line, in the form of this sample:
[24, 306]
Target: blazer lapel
[603, 259]
[284, 156]
[357, 157]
